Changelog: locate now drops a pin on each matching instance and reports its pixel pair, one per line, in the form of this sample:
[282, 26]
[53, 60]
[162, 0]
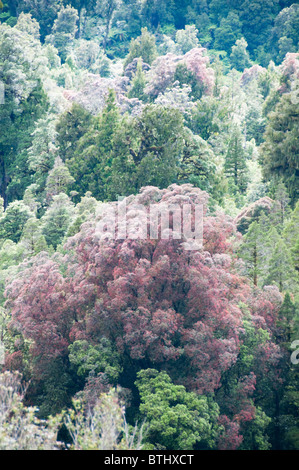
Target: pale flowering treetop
[92, 95]
[163, 69]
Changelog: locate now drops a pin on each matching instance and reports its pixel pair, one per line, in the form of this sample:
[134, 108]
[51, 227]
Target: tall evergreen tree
[90, 163]
[138, 83]
[57, 219]
[235, 166]
[59, 179]
[286, 405]
[239, 57]
[72, 125]
[64, 30]
[144, 47]
[280, 151]
[281, 270]
[250, 251]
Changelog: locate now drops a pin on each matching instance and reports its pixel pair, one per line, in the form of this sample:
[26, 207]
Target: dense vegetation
[130, 342]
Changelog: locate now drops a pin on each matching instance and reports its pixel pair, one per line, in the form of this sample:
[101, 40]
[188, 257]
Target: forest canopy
[139, 342]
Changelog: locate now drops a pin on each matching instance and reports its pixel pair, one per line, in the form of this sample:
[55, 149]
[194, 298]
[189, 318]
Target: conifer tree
[56, 221]
[239, 57]
[290, 235]
[90, 163]
[72, 125]
[13, 220]
[32, 237]
[198, 165]
[138, 83]
[144, 46]
[285, 322]
[59, 179]
[235, 165]
[281, 270]
[285, 423]
[64, 30]
[250, 251]
[279, 155]
[282, 202]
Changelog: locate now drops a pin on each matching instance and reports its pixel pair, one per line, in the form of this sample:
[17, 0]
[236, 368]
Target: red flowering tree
[159, 304]
[162, 73]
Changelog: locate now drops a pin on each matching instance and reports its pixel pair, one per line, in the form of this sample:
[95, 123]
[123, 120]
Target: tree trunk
[107, 30]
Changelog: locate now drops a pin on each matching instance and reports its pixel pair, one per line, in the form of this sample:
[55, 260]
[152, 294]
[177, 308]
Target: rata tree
[40, 326]
[194, 70]
[157, 299]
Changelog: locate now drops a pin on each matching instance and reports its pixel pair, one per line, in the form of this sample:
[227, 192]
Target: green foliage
[17, 125]
[160, 139]
[186, 77]
[72, 125]
[235, 165]
[94, 359]
[280, 151]
[64, 30]
[28, 24]
[209, 118]
[138, 84]
[230, 29]
[267, 249]
[44, 11]
[198, 166]
[90, 164]
[143, 47]
[257, 17]
[177, 419]
[59, 179]
[290, 235]
[239, 57]
[255, 436]
[250, 251]
[284, 36]
[32, 237]
[13, 220]
[281, 270]
[186, 39]
[53, 391]
[56, 221]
